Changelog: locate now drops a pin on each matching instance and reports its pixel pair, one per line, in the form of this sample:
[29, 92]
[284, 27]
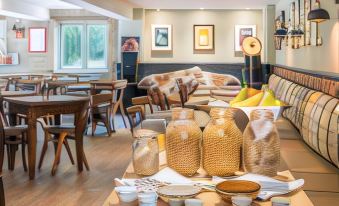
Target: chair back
[157, 97]
[183, 91]
[30, 85]
[101, 99]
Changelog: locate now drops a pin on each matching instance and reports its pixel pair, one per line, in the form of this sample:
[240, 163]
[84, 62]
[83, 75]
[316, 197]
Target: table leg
[31, 143]
[80, 123]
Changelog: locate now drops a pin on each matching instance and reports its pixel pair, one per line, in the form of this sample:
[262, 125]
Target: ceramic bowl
[230, 188]
[127, 193]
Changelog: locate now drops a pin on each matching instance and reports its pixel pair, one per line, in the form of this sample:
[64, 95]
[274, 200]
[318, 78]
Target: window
[83, 46]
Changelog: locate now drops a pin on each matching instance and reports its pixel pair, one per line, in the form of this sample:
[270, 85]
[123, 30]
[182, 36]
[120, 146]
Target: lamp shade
[318, 15]
[251, 46]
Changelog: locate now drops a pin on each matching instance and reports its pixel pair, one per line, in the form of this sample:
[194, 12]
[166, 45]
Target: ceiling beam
[23, 10]
[117, 9]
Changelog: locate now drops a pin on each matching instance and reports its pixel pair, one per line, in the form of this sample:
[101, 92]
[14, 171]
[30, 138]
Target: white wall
[320, 58]
[29, 62]
[182, 22]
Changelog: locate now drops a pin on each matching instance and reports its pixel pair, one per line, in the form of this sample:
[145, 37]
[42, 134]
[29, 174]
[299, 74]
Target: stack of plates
[178, 191]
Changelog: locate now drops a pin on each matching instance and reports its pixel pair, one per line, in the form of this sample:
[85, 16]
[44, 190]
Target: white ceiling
[52, 4]
[206, 4]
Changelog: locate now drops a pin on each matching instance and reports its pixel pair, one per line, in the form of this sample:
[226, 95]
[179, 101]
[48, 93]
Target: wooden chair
[30, 85]
[117, 89]
[58, 134]
[100, 111]
[133, 113]
[2, 192]
[12, 137]
[46, 123]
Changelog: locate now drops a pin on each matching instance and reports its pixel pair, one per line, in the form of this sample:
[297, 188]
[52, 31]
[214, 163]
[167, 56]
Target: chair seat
[15, 130]
[57, 129]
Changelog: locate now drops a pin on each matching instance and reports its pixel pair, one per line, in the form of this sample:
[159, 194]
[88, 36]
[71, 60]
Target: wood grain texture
[108, 158]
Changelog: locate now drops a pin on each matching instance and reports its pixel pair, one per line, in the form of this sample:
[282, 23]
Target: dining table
[210, 198]
[36, 106]
[20, 93]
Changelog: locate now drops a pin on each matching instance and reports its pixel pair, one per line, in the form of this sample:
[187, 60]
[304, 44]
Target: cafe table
[36, 106]
[20, 93]
[298, 198]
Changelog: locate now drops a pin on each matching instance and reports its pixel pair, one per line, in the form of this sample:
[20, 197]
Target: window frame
[84, 47]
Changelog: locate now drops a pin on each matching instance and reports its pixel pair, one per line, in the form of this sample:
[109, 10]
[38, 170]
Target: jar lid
[145, 133]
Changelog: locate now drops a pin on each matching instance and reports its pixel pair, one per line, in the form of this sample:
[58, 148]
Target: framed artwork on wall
[130, 43]
[307, 6]
[314, 26]
[203, 36]
[241, 32]
[37, 39]
[161, 37]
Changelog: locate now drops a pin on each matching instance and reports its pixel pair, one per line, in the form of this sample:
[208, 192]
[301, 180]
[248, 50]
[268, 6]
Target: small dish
[127, 193]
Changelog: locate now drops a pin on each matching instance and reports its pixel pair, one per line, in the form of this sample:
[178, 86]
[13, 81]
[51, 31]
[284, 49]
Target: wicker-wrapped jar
[221, 143]
[183, 137]
[261, 147]
[146, 153]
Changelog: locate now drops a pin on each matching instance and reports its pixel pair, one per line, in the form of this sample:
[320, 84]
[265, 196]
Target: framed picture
[307, 6]
[37, 42]
[130, 44]
[314, 26]
[161, 37]
[241, 32]
[203, 37]
[297, 14]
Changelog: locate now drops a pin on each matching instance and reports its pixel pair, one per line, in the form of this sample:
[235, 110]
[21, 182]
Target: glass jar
[183, 137]
[146, 153]
[221, 144]
[261, 147]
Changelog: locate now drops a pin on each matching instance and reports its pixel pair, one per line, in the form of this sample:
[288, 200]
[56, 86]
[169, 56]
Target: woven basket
[183, 139]
[261, 148]
[221, 143]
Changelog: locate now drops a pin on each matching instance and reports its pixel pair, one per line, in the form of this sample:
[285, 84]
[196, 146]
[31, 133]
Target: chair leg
[43, 152]
[85, 161]
[107, 124]
[122, 111]
[68, 149]
[58, 152]
[94, 126]
[23, 153]
[8, 156]
[2, 153]
[12, 151]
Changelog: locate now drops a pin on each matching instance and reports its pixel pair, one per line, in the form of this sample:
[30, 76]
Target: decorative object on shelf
[241, 32]
[146, 153]
[161, 37]
[37, 40]
[251, 46]
[261, 147]
[203, 37]
[316, 16]
[296, 36]
[221, 143]
[9, 59]
[183, 137]
[19, 29]
[280, 31]
[130, 44]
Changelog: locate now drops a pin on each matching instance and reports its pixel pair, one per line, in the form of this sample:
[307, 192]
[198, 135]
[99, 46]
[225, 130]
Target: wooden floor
[108, 158]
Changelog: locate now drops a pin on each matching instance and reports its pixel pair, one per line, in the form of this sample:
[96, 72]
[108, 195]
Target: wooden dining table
[36, 106]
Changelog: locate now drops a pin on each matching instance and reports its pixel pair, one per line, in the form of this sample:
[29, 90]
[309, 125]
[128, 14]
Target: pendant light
[318, 15]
